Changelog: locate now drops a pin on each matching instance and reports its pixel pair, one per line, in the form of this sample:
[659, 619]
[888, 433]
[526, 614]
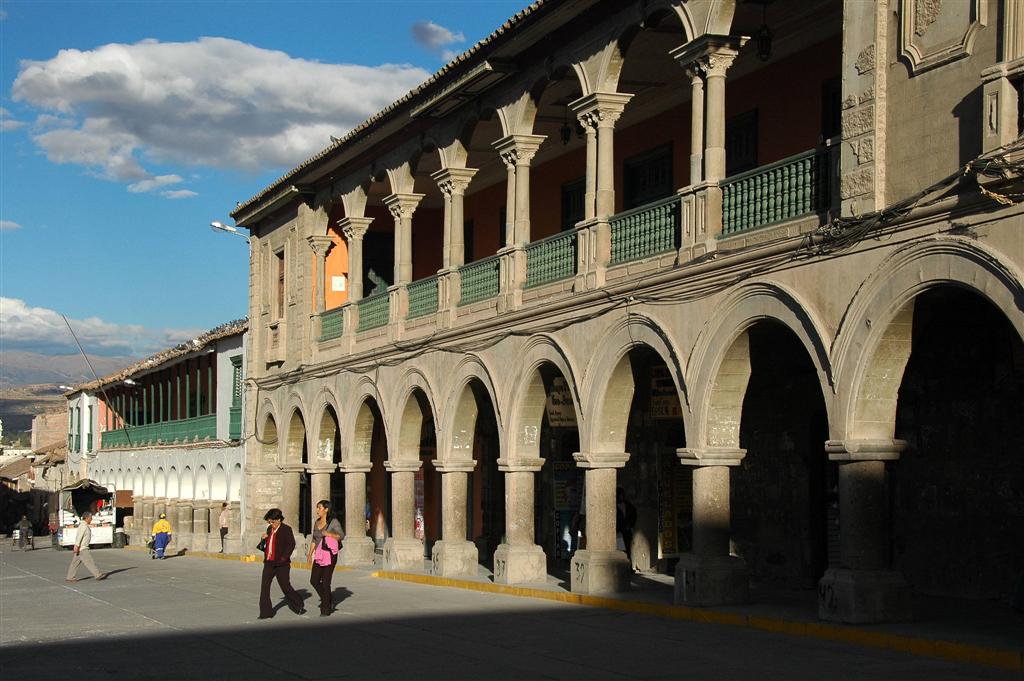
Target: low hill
[18, 367]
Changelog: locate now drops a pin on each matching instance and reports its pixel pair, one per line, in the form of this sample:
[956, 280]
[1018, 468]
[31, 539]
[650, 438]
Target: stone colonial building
[756, 265]
[168, 430]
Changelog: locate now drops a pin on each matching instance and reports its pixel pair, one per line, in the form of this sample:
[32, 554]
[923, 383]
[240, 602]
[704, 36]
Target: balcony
[170, 432]
[422, 297]
[479, 280]
[332, 324]
[800, 185]
[645, 231]
[235, 423]
[373, 311]
[551, 259]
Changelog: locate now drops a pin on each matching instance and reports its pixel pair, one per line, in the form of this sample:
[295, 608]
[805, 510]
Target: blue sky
[126, 127]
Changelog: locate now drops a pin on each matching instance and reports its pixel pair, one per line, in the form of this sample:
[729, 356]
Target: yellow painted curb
[947, 650]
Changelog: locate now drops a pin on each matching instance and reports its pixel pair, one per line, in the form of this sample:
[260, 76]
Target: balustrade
[551, 259]
[645, 231]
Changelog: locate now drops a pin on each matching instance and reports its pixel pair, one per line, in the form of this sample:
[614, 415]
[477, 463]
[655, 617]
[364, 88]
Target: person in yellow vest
[161, 535]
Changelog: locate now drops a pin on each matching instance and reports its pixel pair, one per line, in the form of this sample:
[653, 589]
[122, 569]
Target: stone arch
[652, 13]
[528, 396]
[328, 426]
[361, 417]
[219, 483]
[874, 340]
[720, 362]
[187, 490]
[147, 483]
[295, 449]
[202, 489]
[173, 483]
[460, 414]
[608, 383]
[235, 490]
[415, 399]
[267, 438]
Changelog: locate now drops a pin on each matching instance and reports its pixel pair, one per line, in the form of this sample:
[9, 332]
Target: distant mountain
[29, 368]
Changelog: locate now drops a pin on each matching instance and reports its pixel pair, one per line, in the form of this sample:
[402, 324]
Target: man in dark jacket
[279, 542]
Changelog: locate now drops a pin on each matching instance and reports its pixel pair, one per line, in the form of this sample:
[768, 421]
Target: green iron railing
[234, 423]
[795, 186]
[332, 323]
[645, 231]
[169, 432]
[422, 297]
[373, 311]
[479, 280]
[551, 259]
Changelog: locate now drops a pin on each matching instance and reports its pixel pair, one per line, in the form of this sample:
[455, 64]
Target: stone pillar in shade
[201, 526]
[864, 588]
[601, 567]
[402, 550]
[454, 554]
[520, 559]
[357, 548]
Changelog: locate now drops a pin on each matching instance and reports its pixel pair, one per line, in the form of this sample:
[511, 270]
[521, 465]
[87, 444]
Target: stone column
[290, 499]
[357, 548]
[321, 246]
[454, 555]
[234, 543]
[516, 152]
[184, 525]
[354, 229]
[601, 567]
[453, 183]
[147, 516]
[213, 531]
[402, 206]
[319, 486]
[709, 575]
[138, 522]
[402, 551]
[864, 588]
[159, 506]
[171, 510]
[201, 525]
[520, 560]
[696, 123]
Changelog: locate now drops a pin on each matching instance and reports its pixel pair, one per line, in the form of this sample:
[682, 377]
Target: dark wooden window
[741, 143]
[280, 284]
[572, 202]
[647, 177]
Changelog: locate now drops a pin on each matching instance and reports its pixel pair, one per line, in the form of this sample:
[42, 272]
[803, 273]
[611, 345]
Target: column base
[199, 541]
[234, 545]
[403, 554]
[520, 564]
[454, 558]
[863, 596]
[184, 542]
[599, 571]
[356, 551]
[711, 580]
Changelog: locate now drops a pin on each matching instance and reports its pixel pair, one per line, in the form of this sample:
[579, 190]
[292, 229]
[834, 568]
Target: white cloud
[42, 330]
[153, 183]
[212, 102]
[179, 194]
[8, 123]
[8, 225]
[433, 36]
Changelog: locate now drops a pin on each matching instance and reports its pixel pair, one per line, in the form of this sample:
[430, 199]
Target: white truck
[76, 499]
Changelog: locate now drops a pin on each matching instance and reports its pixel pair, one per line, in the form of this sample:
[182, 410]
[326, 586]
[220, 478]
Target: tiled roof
[232, 328]
[16, 469]
[511, 24]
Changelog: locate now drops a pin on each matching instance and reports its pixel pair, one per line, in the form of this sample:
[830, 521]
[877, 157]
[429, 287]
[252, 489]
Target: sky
[127, 127]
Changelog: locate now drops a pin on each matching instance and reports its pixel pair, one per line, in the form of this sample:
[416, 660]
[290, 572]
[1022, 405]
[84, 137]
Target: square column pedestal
[519, 560]
[600, 568]
[453, 556]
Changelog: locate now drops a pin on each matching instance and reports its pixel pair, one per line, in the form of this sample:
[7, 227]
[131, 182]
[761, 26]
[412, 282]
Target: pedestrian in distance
[223, 521]
[161, 535]
[81, 550]
[323, 554]
[625, 521]
[24, 530]
[277, 545]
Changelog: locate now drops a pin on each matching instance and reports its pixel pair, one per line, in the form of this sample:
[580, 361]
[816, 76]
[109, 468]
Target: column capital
[711, 456]
[402, 206]
[601, 459]
[520, 465]
[321, 467]
[355, 467]
[321, 244]
[453, 180]
[600, 108]
[454, 466]
[865, 449]
[709, 55]
[402, 466]
[517, 150]
[354, 228]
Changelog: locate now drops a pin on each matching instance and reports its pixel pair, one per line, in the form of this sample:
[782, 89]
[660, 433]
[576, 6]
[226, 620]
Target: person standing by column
[279, 542]
[81, 551]
[323, 554]
[161, 535]
[223, 521]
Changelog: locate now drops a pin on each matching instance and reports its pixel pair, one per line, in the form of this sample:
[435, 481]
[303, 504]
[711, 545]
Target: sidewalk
[972, 632]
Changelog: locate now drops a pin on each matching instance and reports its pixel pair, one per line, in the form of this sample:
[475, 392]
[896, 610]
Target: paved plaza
[195, 618]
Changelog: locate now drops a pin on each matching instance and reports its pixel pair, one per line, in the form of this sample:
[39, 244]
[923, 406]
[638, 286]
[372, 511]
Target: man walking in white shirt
[224, 522]
[82, 538]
